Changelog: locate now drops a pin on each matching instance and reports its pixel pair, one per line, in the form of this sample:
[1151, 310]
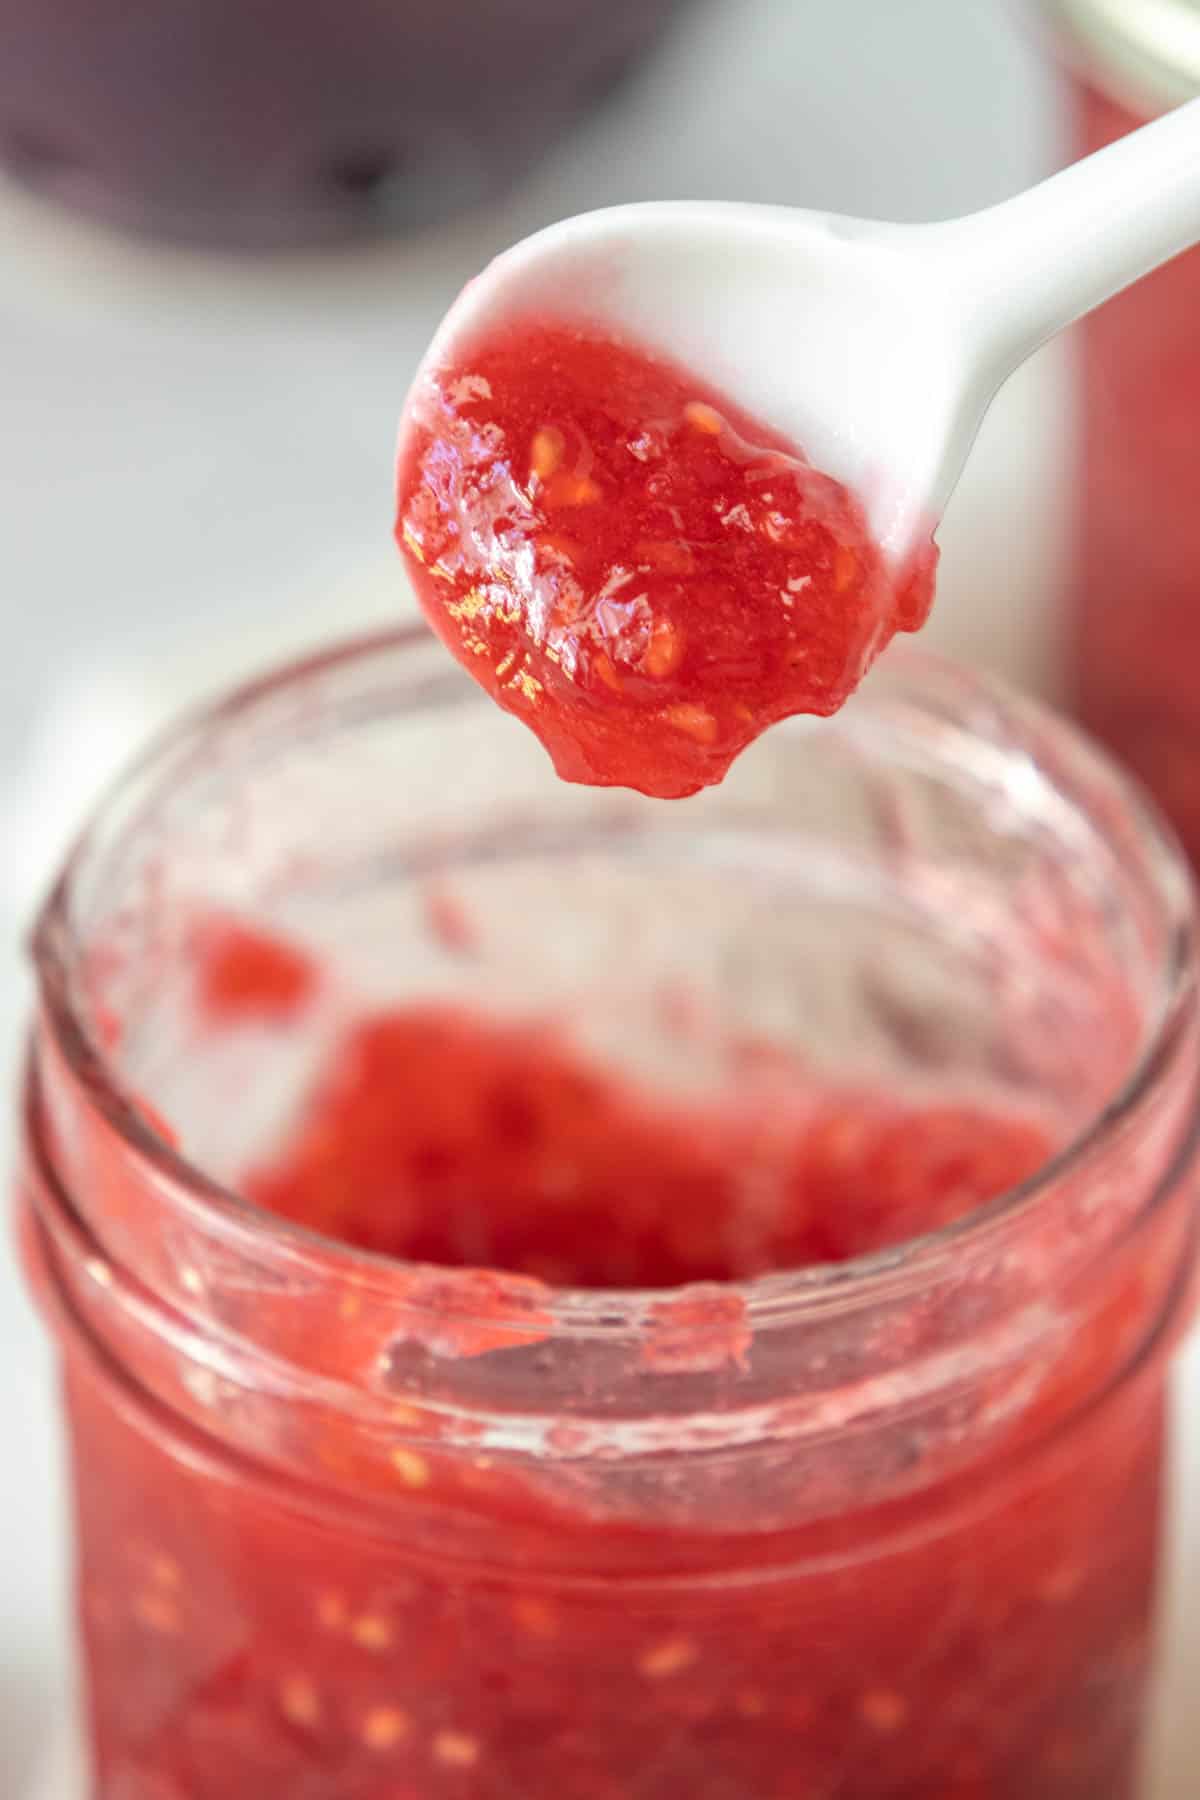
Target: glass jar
[276, 122]
[1134, 643]
[356, 1529]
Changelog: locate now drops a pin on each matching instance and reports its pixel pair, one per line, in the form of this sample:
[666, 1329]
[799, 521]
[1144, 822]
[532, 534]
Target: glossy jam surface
[1135, 640]
[339, 1612]
[641, 572]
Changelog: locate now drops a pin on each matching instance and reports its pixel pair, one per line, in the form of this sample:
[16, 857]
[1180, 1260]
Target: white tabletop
[194, 478]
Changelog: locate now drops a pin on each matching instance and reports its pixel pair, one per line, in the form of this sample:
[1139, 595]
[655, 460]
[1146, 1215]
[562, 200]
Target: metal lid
[1146, 51]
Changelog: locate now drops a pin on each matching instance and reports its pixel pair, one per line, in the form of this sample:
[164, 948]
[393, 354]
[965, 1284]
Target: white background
[194, 478]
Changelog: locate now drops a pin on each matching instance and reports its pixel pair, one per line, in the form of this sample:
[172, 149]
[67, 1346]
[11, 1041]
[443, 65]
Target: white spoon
[876, 348]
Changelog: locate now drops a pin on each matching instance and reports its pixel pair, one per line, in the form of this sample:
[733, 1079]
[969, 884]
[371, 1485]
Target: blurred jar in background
[294, 121]
[1134, 643]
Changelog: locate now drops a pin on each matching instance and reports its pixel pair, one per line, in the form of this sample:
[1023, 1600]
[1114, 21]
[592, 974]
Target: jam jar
[1133, 641]
[460, 1513]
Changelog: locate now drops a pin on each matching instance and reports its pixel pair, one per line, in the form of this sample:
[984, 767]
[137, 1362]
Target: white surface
[195, 472]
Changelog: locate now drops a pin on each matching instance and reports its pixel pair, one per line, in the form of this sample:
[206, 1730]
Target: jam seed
[695, 721]
[384, 1727]
[573, 490]
[664, 652]
[703, 418]
[670, 1656]
[883, 1709]
[410, 1466]
[546, 452]
[299, 1701]
[750, 1703]
[370, 1632]
[601, 664]
[456, 1749]
[159, 1612]
[845, 568]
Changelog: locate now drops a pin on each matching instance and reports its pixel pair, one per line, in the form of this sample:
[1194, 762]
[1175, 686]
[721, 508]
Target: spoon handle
[1031, 265]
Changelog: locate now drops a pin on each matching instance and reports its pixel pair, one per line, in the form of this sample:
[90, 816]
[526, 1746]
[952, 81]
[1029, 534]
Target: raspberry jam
[629, 563]
[478, 1217]
[443, 1138]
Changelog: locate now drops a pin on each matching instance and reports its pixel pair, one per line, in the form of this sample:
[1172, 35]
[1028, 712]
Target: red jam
[441, 1138]
[1135, 638]
[632, 565]
[282, 1597]
[243, 973]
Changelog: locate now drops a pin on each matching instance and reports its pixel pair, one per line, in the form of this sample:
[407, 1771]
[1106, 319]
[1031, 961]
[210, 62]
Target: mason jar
[1133, 642]
[356, 1528]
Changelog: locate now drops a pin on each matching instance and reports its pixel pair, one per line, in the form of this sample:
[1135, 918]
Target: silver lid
[1147, 52]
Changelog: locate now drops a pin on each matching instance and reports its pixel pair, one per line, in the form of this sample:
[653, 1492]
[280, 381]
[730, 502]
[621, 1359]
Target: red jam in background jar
[1134, 643]
[645, 575]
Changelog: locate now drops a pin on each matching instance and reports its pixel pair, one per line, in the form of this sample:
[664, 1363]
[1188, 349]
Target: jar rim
[762, 1301]
[1147, 54]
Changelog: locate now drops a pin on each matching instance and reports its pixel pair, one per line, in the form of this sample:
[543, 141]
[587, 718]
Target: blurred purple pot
[264, 122]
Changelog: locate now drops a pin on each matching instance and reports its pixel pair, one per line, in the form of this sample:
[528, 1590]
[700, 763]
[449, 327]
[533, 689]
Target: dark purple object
[294, 121]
